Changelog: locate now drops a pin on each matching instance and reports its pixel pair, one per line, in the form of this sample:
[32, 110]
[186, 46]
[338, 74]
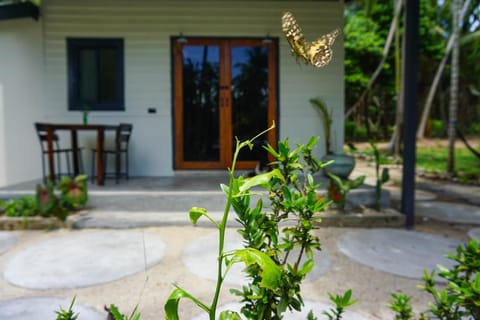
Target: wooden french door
[223, 88]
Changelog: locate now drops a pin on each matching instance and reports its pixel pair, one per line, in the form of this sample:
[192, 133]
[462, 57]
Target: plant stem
[221, 231]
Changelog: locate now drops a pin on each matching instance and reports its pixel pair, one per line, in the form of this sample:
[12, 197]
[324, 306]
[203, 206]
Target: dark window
[95, 74]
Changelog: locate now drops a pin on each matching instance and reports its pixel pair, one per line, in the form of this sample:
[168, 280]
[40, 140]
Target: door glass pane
[250, 97]
[200, 103]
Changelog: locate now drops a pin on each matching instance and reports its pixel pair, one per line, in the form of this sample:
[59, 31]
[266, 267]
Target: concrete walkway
[155, 247]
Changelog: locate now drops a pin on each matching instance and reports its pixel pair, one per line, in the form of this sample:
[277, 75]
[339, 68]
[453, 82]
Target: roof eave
[17, 10]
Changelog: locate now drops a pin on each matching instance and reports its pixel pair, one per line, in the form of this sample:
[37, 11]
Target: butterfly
[317, 53]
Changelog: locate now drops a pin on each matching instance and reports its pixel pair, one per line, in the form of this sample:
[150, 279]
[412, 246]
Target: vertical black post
[410, 75]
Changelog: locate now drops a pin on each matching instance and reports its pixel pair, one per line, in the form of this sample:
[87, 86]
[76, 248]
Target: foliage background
[366, 29]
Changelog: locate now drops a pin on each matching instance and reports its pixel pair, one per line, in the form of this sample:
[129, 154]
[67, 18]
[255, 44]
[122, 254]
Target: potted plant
[342, 164]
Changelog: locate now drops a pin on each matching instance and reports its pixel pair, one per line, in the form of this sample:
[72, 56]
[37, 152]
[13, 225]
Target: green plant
[473, 129]
[115, 314]
[273, 255]
[63, 314]
[25, 205]
[400, 305]
[327, 121]
[460, 298]
[49, 204]
[350, 130]
[341, 302]
[437, 128]
[338, 188]
[381, 178]
[48, 201]
[73, 191]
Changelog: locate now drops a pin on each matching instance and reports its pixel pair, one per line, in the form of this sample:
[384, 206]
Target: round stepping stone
[420, 195]
[200, 257]
[43, 308]
[84, 259]
[7, 240]
[474, 234]
[315, 306]
[400, 252]
[449, 212]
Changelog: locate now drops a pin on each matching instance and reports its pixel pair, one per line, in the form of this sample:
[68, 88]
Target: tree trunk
[436, 79]
[396, 139]
[452, 117]
[386, 49]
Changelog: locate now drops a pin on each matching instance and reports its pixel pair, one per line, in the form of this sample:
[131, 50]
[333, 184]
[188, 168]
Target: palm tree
[436, 79]
[452, 119]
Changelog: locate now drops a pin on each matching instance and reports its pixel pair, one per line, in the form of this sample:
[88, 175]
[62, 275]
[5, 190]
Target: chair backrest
[123, 134]
[42, 134]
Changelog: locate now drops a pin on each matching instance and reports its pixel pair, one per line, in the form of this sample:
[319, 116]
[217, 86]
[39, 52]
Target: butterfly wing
[294, 36]
[320, 51]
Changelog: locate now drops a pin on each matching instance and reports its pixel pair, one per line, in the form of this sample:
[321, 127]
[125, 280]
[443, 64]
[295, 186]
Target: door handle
[224, 101]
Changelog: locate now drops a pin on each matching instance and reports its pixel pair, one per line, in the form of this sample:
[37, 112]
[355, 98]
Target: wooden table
[73, 128]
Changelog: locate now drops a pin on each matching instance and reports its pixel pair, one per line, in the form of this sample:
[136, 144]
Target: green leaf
[357, 182]
[195, 213]
[114, 311]
[229, 315]
[385, 175]
[270, 272]
[171, 306]
[224, 188]
[261, 179]
[272, 151]
[336, 181]
[307, 267]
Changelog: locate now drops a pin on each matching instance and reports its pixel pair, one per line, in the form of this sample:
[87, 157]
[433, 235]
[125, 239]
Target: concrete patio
[136, 242]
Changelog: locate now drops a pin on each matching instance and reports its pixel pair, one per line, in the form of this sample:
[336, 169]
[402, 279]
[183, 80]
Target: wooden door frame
[225, 44]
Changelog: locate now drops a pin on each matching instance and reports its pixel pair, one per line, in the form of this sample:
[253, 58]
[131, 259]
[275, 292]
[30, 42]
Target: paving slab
[449, 212]
[7, 240]
[474, 234]
[400, 252]
[84, 259]
[43, 308]
[315, 306]
[420, 195]
[138, 219]
[200, 257]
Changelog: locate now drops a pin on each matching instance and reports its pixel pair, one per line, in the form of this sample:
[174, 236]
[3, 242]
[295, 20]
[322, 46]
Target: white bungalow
[188, 74]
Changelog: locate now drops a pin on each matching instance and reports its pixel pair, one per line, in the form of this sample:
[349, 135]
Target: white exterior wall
[21, 99]
[146, 27]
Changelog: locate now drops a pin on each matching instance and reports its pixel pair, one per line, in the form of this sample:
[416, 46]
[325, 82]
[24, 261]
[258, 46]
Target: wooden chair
[120, 150]
[57, 151]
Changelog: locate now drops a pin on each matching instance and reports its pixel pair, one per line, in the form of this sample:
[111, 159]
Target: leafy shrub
[460, 299]
[274, 281]
[350, 130]
[338, 188]
[26, 205]
[473, 129]
[437, 128]
[48, 201]
[361, 133]
[63, 314]
[114, 314]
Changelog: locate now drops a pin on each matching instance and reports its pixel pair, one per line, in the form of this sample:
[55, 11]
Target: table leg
[74, 143]
[100, 139]
[50, 157]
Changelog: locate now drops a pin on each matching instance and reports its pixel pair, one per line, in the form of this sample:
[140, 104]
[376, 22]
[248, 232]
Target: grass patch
[434, 159]
[467, 165]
